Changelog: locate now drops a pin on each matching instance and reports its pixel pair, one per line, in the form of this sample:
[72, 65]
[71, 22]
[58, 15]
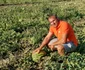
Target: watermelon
[37, 56]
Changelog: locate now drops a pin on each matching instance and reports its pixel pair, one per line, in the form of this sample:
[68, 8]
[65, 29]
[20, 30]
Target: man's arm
[45, 41]
[61, 41]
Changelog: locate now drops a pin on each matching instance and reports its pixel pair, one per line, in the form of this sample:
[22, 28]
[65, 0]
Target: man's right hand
[37, 50]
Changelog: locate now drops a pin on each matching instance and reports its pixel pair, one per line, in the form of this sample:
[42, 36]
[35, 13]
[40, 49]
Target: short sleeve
[51, 29]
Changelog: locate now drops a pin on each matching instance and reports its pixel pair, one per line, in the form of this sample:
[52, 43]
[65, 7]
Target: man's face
[53, 21]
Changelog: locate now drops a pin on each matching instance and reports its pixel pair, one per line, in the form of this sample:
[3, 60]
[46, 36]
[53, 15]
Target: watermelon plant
[23, 26]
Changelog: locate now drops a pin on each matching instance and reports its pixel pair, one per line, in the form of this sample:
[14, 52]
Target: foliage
[23, 26]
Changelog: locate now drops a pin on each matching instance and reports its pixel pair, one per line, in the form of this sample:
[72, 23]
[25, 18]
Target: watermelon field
[23, 26]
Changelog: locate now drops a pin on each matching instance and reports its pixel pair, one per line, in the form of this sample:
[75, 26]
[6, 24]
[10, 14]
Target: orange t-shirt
[62, 28]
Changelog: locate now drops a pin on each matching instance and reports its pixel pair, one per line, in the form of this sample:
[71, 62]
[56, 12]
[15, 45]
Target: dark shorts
[69, 46]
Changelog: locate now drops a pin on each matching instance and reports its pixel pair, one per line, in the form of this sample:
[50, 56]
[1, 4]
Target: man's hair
[53, 16]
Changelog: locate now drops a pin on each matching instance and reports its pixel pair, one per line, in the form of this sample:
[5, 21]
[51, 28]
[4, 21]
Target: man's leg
[51, 42]
[60, 49]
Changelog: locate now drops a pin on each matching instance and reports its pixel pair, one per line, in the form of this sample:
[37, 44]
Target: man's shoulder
[62, 21]
[52, 28]
[64, 24]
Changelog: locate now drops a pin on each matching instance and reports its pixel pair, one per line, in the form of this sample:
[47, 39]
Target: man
[65, 41]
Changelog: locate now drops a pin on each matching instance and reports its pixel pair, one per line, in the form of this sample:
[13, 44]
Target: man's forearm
[45, 41]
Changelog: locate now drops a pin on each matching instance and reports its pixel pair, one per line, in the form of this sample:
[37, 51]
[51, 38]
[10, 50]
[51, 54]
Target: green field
[23, 26]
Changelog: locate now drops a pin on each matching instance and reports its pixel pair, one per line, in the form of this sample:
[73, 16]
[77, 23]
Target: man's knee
[60, 48]
[52, 41]
[49, 46]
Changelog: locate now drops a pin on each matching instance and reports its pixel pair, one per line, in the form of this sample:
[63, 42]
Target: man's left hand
[52, 47]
